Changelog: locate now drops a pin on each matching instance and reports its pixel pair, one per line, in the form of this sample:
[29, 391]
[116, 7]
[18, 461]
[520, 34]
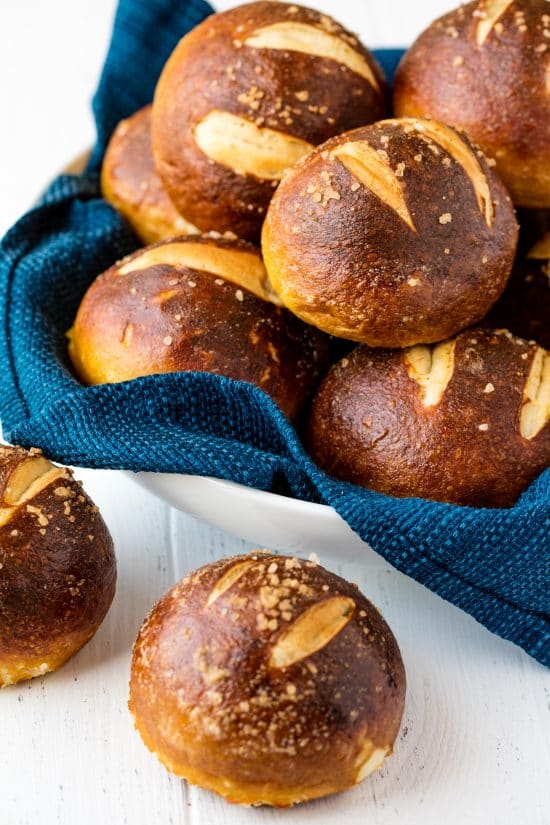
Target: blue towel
[494, 564]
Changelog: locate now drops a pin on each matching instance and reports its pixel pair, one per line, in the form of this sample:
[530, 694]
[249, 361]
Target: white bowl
[265, 519]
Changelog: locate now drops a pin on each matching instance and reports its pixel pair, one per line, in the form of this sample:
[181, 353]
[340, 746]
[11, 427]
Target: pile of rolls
[292, 201]
[360, 260]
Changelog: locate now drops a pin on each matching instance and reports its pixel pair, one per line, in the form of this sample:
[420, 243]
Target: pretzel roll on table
[464, 421]
[129, 181]
[196, 303]
[485, 67]
[57, 566]
[245, 95]
[394, 234]
[268, 680]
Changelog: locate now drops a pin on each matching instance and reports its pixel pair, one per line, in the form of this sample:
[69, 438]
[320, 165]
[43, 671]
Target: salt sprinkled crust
[393, 234]
[463, 421]
[268, 680]
[57, 566]
[485, 67]
[245, 95]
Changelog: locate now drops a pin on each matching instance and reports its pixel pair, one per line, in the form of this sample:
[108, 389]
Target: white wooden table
[474, 746]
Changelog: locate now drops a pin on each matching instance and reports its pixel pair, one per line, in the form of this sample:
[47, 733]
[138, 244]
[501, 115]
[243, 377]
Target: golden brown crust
[129, 181]
[142, 317]
[441, 422]
[524, 307]
[283, 99]
[390, 235]
[485, 67]
[213, 696]
[57, 566]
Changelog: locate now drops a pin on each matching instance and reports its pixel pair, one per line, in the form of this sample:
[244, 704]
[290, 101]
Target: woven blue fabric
[494, 564]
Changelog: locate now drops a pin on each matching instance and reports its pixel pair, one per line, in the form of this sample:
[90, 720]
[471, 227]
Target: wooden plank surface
[473, 747]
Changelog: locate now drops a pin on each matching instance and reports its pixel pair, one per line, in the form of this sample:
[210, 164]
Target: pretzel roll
[525, 304]
[391, 235]
[129, 181]
[485, 68]
[244, 96]
[196, 303]
[465, 421]
[268, 680]
[57, 566]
